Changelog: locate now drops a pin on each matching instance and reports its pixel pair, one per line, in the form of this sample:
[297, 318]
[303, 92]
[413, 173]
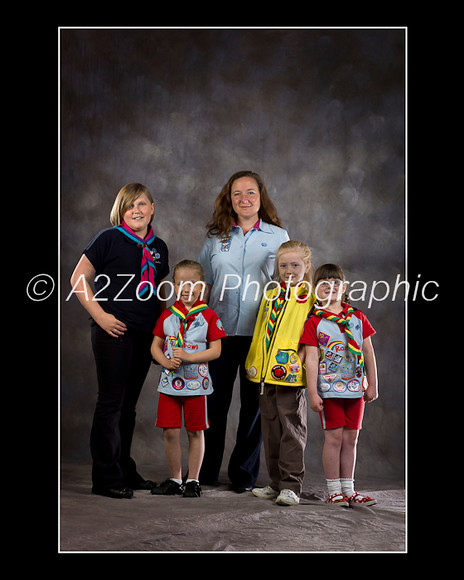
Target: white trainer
[287, 497]
[265, 492]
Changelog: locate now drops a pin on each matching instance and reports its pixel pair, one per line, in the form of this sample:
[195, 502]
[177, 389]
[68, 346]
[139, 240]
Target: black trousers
[243, 465]
[122, 366]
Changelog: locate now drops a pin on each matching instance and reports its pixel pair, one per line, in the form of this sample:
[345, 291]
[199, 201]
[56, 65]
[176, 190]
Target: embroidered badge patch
[178, 384]
[278, 372]
[281, 357]
[225, 245]
[193, 385]
[252, 372]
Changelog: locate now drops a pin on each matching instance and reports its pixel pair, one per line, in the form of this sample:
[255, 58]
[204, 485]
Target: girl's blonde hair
[224, 216]
[125, 198]
[292, 246]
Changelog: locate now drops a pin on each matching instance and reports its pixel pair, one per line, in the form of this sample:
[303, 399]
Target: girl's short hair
[327, 271]
[292, 246]
[125, 198]
[189, 264]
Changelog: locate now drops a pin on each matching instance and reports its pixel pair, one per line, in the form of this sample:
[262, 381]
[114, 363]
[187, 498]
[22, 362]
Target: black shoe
[118, 493]
[168, 487]
[143, 484]
[192, 489]
[241, 488]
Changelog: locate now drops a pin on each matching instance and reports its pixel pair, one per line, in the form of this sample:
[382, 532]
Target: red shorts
[346, 413]
[170, 412]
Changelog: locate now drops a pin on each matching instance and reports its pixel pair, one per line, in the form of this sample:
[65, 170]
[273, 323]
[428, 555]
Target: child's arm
[212, 352]
[372, 391]
[312, 370]
[171, 364]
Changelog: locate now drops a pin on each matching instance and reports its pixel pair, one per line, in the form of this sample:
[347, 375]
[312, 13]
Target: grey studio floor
[221, 520]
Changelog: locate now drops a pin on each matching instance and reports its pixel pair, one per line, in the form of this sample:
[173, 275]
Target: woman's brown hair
[224, 216]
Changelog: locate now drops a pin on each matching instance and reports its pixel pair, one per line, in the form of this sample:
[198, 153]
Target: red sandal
[337, 499]
[359, 499]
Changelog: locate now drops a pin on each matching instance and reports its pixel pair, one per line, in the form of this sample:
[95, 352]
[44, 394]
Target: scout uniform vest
[340, 375]
[188, 379]
[276, 361]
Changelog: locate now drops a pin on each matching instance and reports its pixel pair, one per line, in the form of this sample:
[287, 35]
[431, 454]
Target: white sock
[179, 481]
[334, 486]
[189, 480]
[347, 486]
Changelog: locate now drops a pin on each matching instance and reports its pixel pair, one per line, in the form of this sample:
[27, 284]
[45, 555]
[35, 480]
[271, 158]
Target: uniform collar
[259, 225]
[255, 227]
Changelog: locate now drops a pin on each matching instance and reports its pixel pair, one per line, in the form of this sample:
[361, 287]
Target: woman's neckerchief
[148, 268]
[344, 324]
[181, 312]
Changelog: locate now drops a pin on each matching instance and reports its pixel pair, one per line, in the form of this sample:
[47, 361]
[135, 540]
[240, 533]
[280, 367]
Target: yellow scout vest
[280, 363]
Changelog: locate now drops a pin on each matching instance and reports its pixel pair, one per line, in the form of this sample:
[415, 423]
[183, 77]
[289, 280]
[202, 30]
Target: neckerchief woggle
[344, 324]
[148, 268]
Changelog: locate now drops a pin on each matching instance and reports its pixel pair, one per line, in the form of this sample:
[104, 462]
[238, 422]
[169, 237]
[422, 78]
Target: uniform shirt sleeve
[215, 328]
[159, 326]
[204, 258]
[97, 249]
[368, 329]
[309, 335]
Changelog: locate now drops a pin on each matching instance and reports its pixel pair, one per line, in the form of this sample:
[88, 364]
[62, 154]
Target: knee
[194, 435]
[171, 434]
[350, 437]
[333, 437]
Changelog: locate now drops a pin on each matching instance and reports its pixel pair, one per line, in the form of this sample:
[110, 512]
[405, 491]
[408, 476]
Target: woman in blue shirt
[238, 258]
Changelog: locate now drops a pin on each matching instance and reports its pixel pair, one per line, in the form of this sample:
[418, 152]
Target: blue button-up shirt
[238, 269]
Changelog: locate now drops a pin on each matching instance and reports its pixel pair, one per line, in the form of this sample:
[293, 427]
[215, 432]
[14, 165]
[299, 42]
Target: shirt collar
[255, 227]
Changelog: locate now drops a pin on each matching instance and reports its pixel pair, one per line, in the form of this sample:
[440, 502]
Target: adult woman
[128, 261]
[238, 259]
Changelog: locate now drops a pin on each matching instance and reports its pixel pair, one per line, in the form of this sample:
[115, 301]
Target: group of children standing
[306, 337]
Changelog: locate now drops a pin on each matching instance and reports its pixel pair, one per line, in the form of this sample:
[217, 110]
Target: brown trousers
[284, 426]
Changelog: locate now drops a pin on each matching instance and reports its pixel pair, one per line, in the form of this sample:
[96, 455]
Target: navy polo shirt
[117, 262]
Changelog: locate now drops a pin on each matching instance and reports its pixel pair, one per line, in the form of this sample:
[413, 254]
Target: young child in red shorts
[187, 336]
[341, 376]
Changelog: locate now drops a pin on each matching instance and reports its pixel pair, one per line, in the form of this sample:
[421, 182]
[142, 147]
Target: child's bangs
[328, 271]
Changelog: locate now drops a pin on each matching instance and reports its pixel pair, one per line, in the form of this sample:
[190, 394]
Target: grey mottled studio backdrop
[318, 113]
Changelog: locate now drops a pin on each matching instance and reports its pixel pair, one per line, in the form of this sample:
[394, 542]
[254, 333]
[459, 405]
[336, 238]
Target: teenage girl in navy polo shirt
[127, 262]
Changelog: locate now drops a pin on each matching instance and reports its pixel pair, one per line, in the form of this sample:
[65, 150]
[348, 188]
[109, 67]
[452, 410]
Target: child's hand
[316, 403]
[172, 364]
[370, 394]
[179, 353]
